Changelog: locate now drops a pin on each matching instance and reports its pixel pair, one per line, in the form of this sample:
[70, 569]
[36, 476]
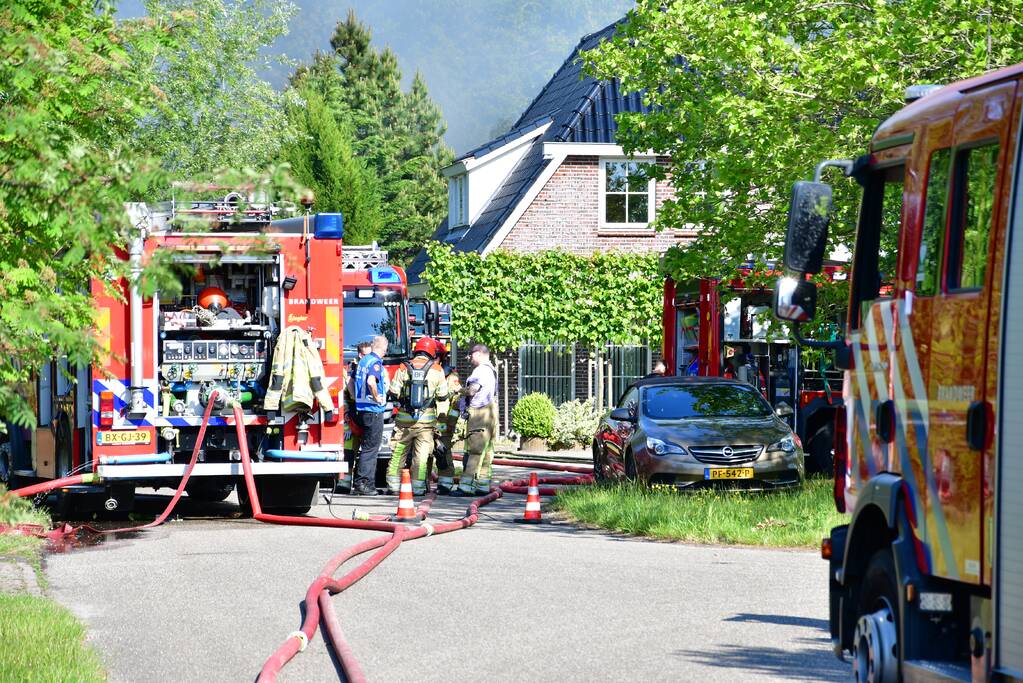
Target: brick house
[559, 180]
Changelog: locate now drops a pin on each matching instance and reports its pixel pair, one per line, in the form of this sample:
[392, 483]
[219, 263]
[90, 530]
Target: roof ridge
[567, 62]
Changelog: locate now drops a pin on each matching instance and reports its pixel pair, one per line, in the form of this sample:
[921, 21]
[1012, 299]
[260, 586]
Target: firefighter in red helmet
[421, 392]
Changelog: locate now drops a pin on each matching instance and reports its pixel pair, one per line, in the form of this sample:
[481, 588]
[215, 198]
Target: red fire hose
[318, 603]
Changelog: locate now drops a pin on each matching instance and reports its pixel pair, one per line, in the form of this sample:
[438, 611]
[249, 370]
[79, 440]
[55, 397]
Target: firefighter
[421, 392]
[447, 427]
[480, 411]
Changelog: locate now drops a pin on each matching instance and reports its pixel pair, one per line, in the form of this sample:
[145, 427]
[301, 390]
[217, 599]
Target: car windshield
[678, 401]
[365, 321]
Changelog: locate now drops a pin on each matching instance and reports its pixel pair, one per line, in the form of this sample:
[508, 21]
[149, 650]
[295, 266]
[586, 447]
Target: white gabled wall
[485, 178]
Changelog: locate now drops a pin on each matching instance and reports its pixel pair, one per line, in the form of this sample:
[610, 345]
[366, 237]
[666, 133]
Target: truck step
[919, 670]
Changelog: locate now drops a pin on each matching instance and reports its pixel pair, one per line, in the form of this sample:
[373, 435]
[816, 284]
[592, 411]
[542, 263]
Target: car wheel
[875, 641]
[820, 450]
[599, 476]
[630, 466]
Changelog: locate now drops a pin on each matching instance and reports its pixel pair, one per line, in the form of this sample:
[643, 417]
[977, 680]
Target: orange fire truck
[926, 579]
[260, 311]
[714, 327]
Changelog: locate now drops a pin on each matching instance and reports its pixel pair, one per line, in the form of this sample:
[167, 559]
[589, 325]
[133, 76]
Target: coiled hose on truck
[318, 596]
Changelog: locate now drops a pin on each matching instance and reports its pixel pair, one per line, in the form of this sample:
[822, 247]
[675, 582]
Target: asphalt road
[208, 599]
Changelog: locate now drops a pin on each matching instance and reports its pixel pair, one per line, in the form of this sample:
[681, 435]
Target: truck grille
[726, 455]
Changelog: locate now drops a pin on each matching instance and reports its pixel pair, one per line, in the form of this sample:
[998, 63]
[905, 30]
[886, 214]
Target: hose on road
[318, 603]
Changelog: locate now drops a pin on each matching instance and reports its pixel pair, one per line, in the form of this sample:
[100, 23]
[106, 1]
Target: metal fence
[548, 369]
[628, 363]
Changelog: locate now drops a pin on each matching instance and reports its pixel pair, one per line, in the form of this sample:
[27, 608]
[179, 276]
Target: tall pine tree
[322, 156]
[398, 134]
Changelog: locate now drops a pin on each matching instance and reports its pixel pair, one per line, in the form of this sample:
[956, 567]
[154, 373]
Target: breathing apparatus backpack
[417, 391]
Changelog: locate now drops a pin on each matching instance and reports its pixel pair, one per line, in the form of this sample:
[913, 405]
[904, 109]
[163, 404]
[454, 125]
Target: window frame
[939, 276]
[458, 201]
[872, 209]
[602, 192]
[955, 223]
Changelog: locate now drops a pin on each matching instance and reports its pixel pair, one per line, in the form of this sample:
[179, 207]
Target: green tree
[747, 97]
[322, 157]
[218, 112]
[398, 133]
[71, 98]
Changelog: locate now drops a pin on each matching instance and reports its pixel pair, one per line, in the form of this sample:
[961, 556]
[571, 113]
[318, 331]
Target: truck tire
[281, 495]
[875, 640]
[209, 491]
[819, 452]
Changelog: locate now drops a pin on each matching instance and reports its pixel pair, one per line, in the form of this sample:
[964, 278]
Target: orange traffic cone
[406, 506]
[532, 515]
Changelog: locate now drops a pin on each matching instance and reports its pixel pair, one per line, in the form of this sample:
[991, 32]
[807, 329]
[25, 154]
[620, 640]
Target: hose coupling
[303, 639]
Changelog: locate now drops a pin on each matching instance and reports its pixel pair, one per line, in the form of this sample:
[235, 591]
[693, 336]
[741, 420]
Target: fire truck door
[956, 393]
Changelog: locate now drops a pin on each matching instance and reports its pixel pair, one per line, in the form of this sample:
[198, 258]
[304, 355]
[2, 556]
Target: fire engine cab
[716, 327]
[926, 579]
[248, 287]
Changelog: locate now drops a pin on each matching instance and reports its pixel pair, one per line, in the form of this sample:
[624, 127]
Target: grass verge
[39, 639]
[42, 641]
[795, 518]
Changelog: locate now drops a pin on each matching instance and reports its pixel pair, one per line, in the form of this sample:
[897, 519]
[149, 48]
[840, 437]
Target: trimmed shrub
[533, 416]
[574, 424]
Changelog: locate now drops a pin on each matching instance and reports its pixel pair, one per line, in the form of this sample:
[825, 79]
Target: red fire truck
[246, 287]
[714, 327]
[926, 579]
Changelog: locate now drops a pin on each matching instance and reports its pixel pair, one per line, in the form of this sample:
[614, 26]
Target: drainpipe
[137, 402]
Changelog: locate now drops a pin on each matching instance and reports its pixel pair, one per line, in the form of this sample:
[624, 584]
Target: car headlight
[658, 447]
[788, 444]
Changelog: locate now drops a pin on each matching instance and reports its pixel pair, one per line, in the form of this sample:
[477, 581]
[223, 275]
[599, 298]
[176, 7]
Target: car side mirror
[795, 300]
[622, 415]
[809, 215]
[782, 409]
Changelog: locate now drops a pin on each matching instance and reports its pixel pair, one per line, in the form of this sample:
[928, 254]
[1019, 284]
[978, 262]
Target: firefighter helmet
[213, 299]
[427, 345]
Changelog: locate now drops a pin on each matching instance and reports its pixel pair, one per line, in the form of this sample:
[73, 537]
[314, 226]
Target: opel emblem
[727, 451]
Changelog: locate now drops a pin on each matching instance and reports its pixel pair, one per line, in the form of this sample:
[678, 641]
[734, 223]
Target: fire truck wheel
[875, 641]
[209, 491]
[820, 451]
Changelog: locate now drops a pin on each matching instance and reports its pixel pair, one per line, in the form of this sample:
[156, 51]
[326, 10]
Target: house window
[627, 196]
[458, 201]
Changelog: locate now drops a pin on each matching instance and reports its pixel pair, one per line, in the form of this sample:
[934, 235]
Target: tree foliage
[322, 156]
[397, 133]
[506, 298]
[71, 99]
[748, 96]
[217, 111]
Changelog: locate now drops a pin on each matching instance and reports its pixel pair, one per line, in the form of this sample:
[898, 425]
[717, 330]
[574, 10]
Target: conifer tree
[322, 156]
[397, 133]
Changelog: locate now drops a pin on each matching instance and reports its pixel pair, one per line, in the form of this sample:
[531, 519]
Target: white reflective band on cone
[530, 507]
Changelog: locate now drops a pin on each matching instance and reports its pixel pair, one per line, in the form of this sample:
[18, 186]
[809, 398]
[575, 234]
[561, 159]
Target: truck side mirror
[809, 214]
[795, 300]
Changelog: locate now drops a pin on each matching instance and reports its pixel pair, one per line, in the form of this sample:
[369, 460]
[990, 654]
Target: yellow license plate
[728, 473]
[125, 438]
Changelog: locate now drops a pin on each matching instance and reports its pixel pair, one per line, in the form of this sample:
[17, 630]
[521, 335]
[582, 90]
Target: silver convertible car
[697, 431]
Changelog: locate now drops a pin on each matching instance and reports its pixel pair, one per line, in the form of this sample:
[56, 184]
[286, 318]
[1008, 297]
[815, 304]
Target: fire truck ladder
[363, 258]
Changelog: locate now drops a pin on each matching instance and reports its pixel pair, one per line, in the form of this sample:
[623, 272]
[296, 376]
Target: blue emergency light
[329, 226]
[384, 275]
